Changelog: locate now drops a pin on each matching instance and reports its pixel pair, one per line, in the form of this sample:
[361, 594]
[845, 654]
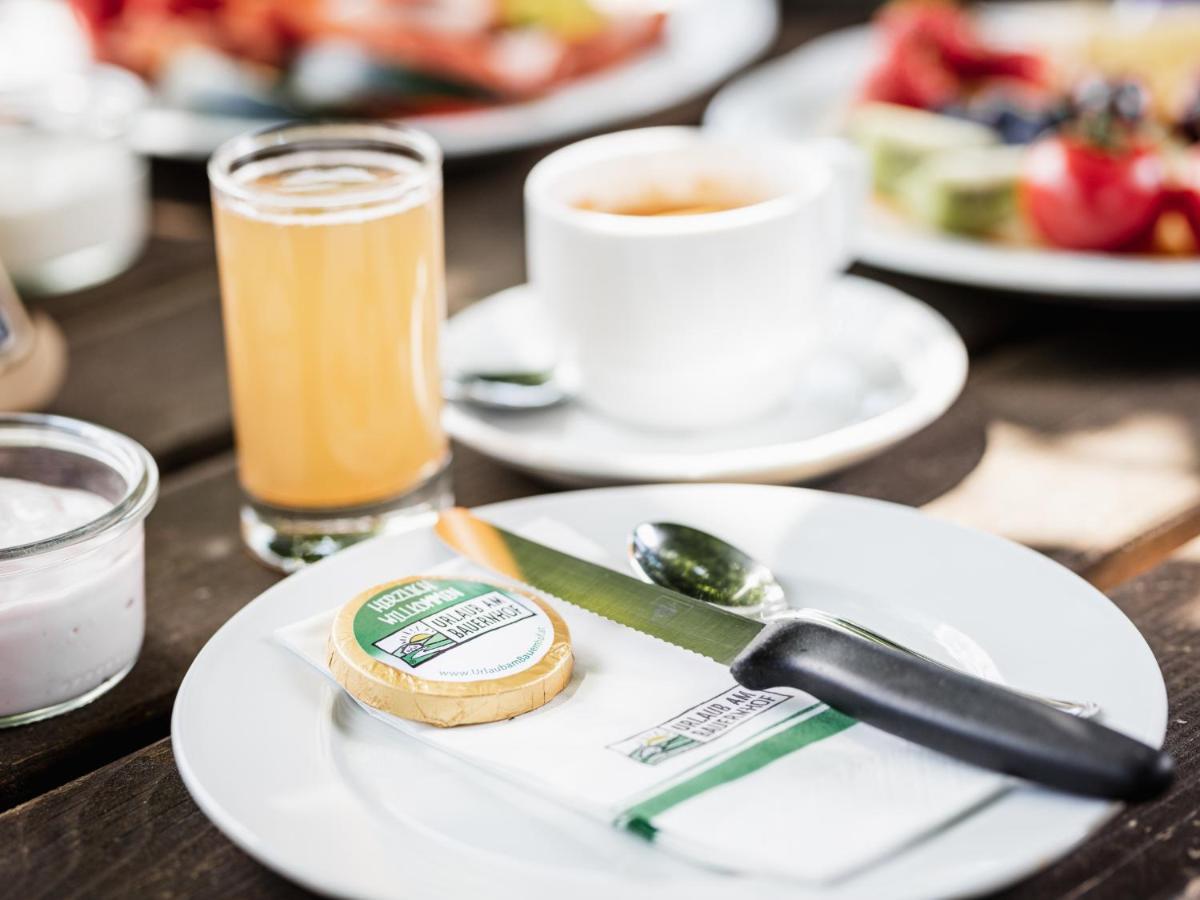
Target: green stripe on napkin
[640, 818]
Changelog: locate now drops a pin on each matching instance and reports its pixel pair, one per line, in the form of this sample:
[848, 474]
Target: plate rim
[1102, 278]
[1088, 818]
[785, 462]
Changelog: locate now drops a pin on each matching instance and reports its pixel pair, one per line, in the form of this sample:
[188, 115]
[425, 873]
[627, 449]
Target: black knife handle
[962, 716]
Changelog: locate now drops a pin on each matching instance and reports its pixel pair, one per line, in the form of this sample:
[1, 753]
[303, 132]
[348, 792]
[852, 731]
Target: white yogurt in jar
[71, 620]
[30, 511]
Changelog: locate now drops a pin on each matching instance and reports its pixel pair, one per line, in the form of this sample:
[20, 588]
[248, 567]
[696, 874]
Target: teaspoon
[701, 565]
[513, 391]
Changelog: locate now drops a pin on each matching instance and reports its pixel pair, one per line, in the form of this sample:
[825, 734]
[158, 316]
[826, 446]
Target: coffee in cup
[704, 196]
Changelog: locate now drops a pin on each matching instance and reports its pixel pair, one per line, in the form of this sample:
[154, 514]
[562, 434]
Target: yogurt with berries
[71, 615]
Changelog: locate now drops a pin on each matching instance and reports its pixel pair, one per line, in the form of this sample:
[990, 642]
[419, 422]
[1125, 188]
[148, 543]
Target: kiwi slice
[969, 191]
[898, 139]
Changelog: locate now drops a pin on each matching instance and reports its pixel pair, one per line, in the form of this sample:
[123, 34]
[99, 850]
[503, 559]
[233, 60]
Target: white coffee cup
[684, 321]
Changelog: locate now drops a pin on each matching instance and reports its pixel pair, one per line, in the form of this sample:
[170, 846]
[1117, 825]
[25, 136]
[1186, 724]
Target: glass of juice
[329, 244]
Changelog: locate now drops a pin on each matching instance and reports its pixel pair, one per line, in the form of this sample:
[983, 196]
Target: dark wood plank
[1151, 850]
[172, 341]
[1144, 552]
[197, 577]
[1079, 444]
[128, 830]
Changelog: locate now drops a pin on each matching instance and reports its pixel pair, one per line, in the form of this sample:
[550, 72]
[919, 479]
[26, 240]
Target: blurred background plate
[883, 367]
[705, 42]
[803, 94]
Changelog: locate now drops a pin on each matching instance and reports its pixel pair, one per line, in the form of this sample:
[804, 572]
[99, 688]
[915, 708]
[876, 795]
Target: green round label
[448, 629]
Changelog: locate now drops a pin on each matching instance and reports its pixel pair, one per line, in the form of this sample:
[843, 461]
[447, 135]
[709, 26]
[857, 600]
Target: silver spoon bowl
[512, 391]
[701, 565]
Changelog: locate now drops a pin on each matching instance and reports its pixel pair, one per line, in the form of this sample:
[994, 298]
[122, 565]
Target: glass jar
[74, 196]
[72, 604]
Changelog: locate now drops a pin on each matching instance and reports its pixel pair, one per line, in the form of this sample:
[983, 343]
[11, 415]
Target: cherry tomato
[1085, 197]
[954, 33]
[932, 52]
[911, 75]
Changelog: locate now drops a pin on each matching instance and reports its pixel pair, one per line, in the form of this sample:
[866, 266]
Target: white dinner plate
[803, 94]
[299, 777]
[705, 41]
[884, 366]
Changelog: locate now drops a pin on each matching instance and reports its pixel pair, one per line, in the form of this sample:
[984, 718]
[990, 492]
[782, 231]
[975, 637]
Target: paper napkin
[662, 741]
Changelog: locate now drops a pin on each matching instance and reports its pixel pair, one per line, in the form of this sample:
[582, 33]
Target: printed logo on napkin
[695, 727]
[445, 629]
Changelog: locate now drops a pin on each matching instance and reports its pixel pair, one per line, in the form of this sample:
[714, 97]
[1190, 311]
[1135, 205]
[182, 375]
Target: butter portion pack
[449, 651]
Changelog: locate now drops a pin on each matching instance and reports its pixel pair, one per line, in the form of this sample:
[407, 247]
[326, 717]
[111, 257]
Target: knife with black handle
[968, 718]
[965, 717]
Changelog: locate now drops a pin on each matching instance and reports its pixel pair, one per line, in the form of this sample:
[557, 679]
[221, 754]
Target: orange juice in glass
[329, 244]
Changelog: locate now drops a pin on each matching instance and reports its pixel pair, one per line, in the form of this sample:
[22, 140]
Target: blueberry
[1019, 117]
[1020, 128]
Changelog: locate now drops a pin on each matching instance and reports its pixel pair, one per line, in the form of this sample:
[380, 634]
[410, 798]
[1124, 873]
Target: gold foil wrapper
[446, 703]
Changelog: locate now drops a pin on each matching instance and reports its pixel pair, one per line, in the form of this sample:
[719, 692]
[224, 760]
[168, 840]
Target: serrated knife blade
[659, 612]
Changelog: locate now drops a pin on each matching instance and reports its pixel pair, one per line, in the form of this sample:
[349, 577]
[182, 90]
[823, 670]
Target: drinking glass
[329, 245]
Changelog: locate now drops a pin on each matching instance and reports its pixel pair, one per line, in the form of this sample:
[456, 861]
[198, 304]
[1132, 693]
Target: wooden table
[1078, 434]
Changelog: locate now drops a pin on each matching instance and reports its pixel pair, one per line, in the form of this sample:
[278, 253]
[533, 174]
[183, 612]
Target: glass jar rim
[140, 476]
[318, 135]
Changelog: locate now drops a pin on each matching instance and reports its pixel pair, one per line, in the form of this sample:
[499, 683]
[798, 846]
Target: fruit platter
[1050, 147]
[273, 56]
[1092, 147]
[480, 75]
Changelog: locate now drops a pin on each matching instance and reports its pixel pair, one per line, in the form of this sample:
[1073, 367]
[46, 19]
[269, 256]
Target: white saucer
[885, 366]
[303, 780]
